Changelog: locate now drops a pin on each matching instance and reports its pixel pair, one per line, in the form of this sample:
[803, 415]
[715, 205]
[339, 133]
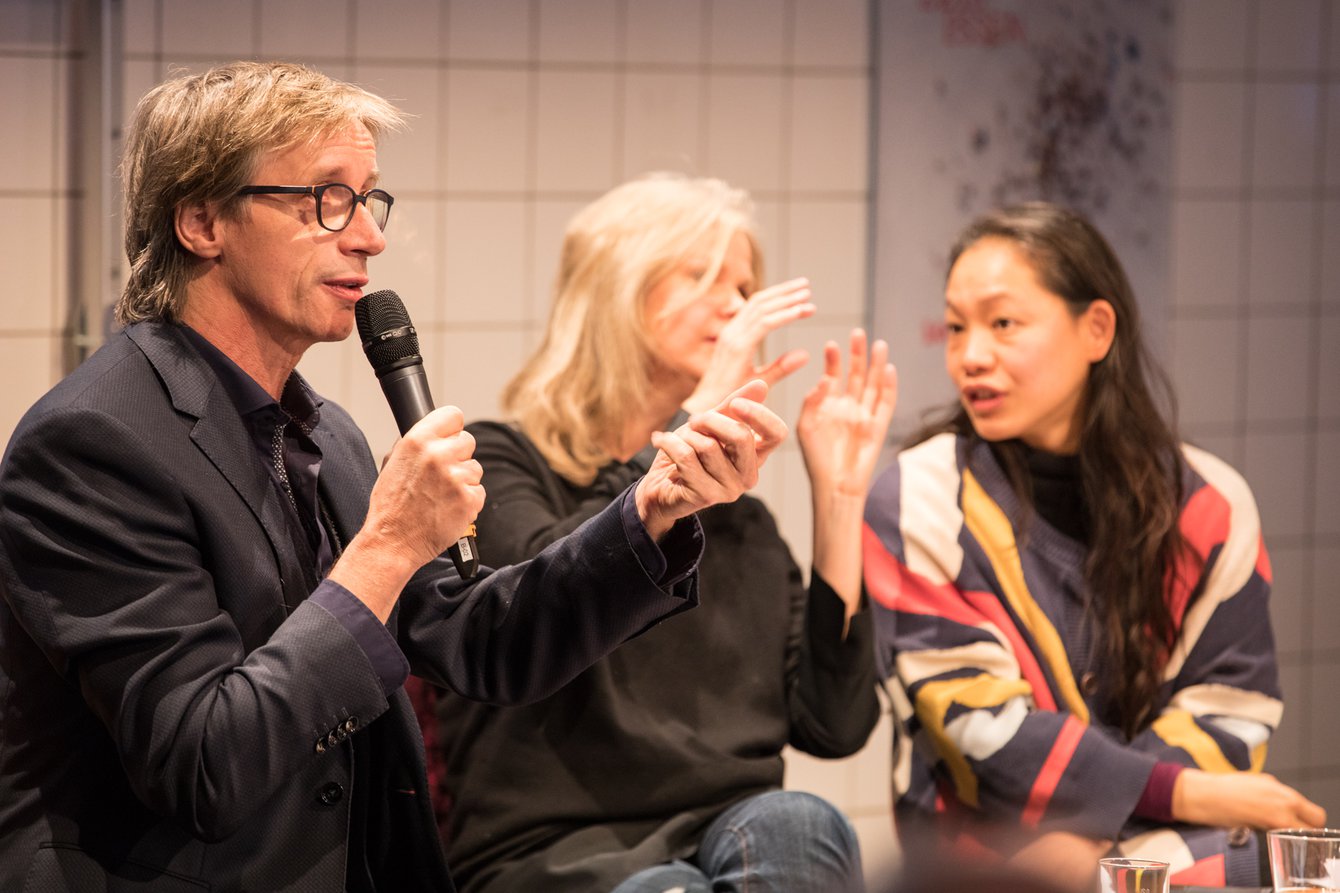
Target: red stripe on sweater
[1029, 668]
[1207, 872]
[1044, 786]
[1204, 525]
[889, 582]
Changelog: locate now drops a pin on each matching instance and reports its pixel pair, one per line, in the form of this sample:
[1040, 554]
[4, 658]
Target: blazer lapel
[347, 471]
[220, 434]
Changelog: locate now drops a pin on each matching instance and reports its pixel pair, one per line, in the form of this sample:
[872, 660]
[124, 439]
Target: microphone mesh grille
[379, 313]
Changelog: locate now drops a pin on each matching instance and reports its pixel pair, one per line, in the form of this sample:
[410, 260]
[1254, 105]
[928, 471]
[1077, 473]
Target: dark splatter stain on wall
[1094, 102]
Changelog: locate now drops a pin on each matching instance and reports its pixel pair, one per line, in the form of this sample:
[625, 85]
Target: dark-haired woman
[1073, 601]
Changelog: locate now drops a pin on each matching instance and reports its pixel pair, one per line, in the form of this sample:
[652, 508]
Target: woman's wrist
[837, 545]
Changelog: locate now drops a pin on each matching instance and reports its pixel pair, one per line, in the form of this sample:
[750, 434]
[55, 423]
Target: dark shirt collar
[298, 400]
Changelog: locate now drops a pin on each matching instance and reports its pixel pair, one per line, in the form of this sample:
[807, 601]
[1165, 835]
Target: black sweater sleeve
[833, 704]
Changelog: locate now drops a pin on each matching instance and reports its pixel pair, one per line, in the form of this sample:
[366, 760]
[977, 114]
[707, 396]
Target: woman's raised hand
[841, 432]
[843, 422]
[738, 344]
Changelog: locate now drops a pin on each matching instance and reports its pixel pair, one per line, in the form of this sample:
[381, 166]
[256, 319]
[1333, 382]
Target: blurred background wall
[1202, 135]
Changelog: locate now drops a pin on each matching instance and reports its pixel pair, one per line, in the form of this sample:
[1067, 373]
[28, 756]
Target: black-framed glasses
[335, 202]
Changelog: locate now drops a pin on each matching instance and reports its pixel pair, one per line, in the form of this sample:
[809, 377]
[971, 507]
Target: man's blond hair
[197, 139]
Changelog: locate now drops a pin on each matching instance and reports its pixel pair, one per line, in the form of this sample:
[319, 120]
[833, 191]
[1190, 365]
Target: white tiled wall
[1255, 316]
[37, 198]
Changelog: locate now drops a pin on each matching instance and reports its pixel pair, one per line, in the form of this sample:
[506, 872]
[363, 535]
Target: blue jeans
[778, 842]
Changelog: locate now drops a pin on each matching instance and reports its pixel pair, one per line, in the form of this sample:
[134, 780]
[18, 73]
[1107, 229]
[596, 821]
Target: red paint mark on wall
[975, 23]
[932, 332]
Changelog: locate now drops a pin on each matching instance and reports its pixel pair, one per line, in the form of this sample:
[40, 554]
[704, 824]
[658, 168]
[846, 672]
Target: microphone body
[406, 390]
[392, 347]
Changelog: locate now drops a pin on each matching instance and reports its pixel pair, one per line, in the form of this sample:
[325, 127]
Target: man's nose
[363, 235]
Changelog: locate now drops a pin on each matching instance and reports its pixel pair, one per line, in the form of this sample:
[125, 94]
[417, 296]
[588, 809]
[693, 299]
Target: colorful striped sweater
[988, 635]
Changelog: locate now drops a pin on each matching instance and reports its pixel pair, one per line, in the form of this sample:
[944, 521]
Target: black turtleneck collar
[1058, 493]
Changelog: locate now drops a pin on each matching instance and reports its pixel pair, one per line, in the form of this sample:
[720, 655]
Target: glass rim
[1304, 833]
[1125, 862]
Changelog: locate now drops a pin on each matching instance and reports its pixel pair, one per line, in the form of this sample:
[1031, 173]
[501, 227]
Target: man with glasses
[211, 598]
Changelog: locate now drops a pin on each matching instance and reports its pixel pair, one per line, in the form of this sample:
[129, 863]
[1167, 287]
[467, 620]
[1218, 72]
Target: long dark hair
[1131, 465]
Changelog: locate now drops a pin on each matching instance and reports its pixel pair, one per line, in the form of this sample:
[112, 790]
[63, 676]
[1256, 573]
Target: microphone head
[389, 340]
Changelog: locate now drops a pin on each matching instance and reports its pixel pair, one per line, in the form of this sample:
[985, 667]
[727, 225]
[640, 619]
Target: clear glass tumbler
[1305, 859]
[1117, 875]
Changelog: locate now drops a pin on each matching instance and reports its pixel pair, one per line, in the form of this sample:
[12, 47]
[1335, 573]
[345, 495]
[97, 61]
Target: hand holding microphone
[392, 347]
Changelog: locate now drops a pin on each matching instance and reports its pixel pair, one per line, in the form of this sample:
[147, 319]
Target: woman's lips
[982, 399]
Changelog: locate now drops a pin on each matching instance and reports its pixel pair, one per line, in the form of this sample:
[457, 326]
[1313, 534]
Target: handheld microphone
[392, 347]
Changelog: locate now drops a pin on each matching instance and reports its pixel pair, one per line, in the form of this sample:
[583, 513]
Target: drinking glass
[1305, 859]
[1132, 876]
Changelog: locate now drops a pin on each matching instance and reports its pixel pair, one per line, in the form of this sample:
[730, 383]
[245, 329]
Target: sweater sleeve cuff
[1155, 803]
[375, 640]
[827, 619]
[675, 557]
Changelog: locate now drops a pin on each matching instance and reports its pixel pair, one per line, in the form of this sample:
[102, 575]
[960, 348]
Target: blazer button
[331, 740]
[330, 793]
[351, 723]
[321, 745]
[340, 733]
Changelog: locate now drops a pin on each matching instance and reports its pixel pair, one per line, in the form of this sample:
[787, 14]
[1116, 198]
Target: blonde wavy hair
[198, 139]
[595, 362]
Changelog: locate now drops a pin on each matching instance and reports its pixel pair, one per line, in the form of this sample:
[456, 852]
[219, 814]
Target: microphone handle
[406, 390]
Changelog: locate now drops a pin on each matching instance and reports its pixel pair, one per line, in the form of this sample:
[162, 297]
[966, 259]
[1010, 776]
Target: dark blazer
[164, 683]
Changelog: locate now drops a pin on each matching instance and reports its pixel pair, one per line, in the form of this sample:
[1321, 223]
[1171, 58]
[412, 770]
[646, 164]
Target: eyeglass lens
[339, 201]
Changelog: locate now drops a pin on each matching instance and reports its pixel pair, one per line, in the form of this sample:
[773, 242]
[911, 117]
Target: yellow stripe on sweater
[987, 522]
[1177, 728]
[974, 692]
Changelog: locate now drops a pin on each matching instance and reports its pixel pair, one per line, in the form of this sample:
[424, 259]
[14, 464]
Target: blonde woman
[660, 767]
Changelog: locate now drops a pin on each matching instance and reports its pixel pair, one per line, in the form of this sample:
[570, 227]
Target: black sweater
[627, 765]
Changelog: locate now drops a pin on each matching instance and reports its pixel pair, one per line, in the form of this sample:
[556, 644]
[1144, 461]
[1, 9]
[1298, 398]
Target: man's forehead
[324, 156]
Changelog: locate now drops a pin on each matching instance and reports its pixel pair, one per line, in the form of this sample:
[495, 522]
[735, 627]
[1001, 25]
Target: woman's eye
[953, 328]
[1003, 323]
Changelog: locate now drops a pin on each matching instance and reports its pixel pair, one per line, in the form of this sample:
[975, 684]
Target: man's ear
[1099, 326]
[197, 229]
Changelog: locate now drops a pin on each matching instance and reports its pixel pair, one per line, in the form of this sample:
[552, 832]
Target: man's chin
[341, 329]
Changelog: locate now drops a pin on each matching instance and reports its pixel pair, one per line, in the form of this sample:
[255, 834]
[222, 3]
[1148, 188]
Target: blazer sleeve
[529, 507]
[108, 569]
[567, 590]
[830, 680]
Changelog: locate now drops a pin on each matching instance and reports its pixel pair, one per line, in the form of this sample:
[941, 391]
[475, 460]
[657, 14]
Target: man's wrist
[656, 523]
[373, 572]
